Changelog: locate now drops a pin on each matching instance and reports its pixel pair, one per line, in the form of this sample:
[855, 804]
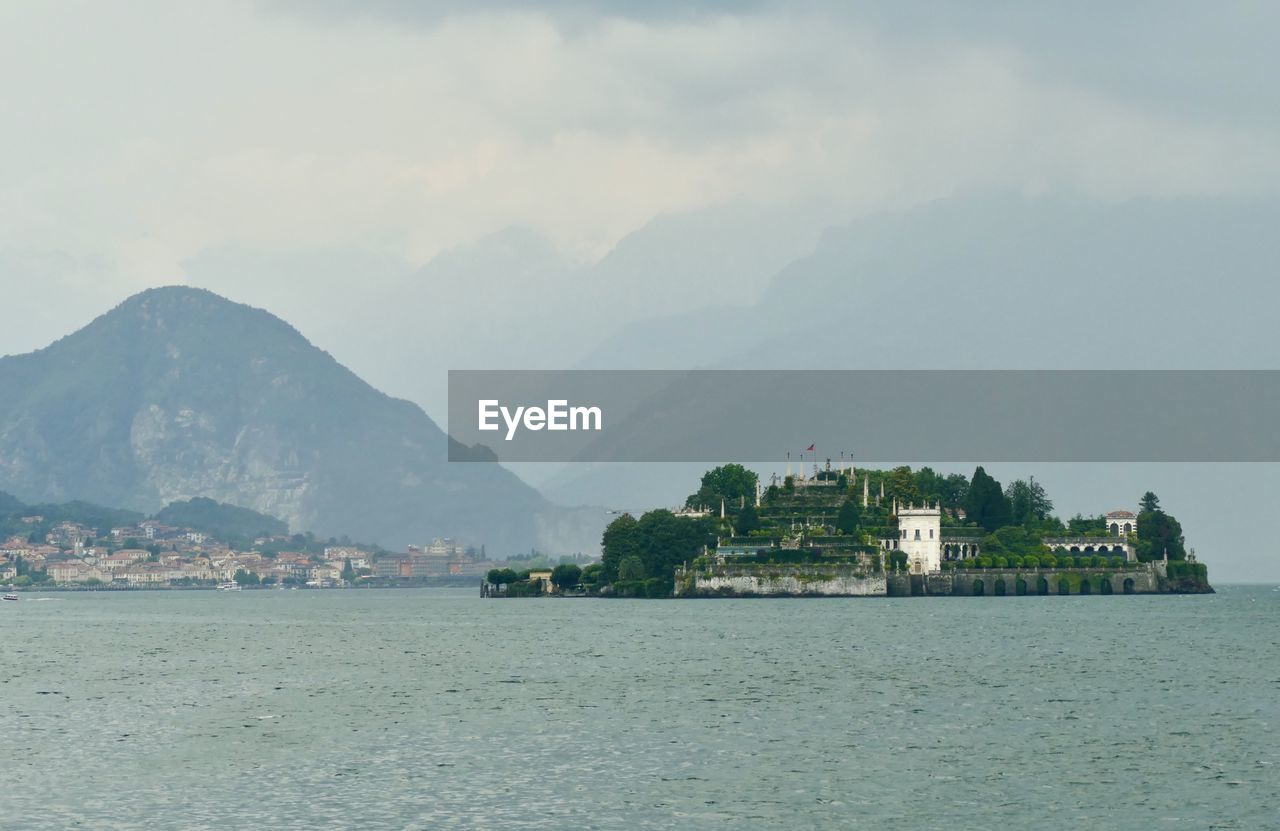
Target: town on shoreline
[81, 546]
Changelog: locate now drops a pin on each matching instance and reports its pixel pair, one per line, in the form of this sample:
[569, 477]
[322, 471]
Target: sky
[141, 136]
[362, 168]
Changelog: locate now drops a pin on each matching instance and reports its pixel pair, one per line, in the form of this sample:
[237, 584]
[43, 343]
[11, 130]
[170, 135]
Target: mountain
[510, 299]
[954, 283]
[982, 280]
[179, 393]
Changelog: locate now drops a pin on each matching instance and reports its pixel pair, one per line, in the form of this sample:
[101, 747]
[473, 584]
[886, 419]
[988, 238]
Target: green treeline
[221, 520]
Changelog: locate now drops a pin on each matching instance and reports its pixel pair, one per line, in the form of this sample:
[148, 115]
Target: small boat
[10, 597]
[229, 587]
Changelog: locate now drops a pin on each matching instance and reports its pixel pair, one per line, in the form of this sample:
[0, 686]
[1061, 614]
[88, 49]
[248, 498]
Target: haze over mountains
[179, 393]
[982, 280]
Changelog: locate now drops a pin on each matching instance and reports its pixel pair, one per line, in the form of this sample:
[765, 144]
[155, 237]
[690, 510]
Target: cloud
[418, 13]
[198, 126]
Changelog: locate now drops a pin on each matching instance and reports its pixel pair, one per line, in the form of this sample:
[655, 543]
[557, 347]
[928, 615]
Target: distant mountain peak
[179, 392]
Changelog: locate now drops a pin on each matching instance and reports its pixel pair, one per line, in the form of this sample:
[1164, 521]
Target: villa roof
[1122, 515]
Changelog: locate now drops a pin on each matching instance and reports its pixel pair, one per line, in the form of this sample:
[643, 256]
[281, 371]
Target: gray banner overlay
[873, 415]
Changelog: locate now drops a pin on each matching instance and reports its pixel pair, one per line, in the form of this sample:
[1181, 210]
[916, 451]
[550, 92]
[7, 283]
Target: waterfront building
[919, 537]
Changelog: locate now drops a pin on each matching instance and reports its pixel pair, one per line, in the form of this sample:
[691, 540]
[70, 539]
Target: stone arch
[1115, 529]
[1020, 587]
[1075, 549]
[999, 590]
[1064, 585]
[1104, 587]
[1042, 585]
[1128, 528]
[1088, 549]
[1085, 586]
[1128, 585]
[979, 589]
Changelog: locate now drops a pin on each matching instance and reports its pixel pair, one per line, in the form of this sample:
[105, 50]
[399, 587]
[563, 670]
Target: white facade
[920, 538]
[1122, 523]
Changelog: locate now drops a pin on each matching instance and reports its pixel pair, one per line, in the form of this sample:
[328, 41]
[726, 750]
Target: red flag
[809, 448]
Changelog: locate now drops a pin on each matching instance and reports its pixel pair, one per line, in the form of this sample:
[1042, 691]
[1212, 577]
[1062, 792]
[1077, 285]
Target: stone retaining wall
[780, 580]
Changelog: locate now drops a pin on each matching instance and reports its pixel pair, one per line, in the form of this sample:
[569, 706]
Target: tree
[848, 517]
[630, 569]
[621, 540]
[592, 575]
[348, 573]
[1082, 526]
[928, 483]
[985, 503]
[246, 578]
[502, 576]
[733, 483]
[748, 520]
[1018, 493]
[955, 489]
[1041, 504]
[1028, 502]
[668, 541]
[1149, 504]
[566, 576]
[902, 485]
[1158, 534]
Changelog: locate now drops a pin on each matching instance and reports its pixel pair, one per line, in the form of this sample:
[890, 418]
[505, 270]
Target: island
[839, 530]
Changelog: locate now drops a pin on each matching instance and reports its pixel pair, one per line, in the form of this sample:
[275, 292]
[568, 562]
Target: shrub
[629, 588]
[1000, 562]
[657, 587]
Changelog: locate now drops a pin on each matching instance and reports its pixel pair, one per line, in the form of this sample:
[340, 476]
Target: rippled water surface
[436, 709]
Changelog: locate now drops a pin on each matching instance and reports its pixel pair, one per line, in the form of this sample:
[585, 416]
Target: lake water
[436, 709]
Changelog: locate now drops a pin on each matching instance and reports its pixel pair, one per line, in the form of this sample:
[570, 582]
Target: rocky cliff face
[179, 393]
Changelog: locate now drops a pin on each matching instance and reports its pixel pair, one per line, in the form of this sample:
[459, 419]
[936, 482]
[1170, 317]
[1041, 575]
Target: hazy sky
[138, 137]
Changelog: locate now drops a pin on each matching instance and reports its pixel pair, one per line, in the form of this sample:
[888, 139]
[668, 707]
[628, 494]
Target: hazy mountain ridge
[179, 393]
[946, 284]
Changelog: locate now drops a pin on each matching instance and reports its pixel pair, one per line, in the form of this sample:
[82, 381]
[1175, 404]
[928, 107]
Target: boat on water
[229, 587]
[10, 597]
